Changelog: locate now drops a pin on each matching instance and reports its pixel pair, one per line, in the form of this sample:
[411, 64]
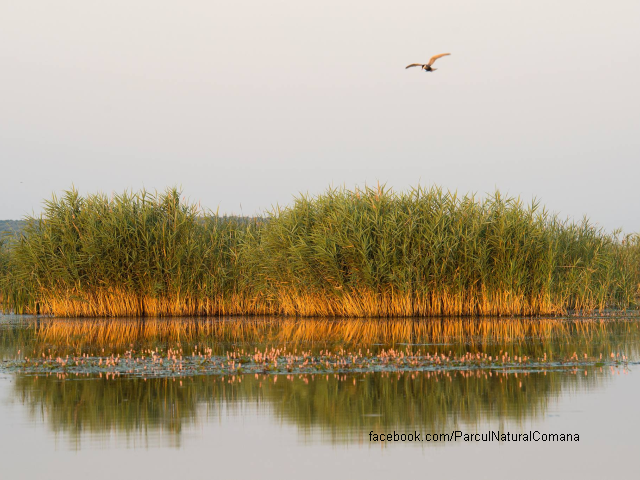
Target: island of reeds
[356, 253]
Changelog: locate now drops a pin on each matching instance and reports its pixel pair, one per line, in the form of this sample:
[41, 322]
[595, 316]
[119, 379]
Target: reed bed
[361, 253]
[130, 255]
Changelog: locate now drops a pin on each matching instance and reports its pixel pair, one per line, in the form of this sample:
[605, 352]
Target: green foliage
[133, 245]
[491, 256]
[369, 252]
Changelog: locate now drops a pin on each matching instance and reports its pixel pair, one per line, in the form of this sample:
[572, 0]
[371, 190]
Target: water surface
[57, 425]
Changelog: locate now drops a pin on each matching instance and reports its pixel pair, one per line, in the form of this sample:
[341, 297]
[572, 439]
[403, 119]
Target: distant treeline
[14, 227]
[363, 253]
[10, 227]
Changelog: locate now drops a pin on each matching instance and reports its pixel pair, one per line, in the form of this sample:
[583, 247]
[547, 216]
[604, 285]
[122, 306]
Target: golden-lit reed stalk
[121, 304]
[372, 304]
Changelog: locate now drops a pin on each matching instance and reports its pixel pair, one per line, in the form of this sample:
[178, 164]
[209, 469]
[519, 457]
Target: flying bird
[427, 66]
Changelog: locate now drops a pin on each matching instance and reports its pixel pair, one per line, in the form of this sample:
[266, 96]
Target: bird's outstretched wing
[435, 57]
[413, 65]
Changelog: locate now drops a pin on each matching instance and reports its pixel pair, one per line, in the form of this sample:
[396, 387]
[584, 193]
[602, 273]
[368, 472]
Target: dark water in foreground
[318, 425]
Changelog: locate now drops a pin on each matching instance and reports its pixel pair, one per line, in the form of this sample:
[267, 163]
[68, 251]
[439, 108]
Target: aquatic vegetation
[361, 253]
[133, 254]
[176, 362]
[429, 252]
[198, 347]
[149, 374]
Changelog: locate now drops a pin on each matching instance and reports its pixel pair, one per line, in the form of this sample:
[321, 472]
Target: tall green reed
[429, 252]
[135, 253]
[370, 252]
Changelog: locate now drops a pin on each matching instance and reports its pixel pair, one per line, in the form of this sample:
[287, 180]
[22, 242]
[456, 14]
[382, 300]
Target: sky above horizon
[246, 104]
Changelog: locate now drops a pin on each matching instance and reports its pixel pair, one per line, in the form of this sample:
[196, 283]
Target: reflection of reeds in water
[434, 402]
[540, 340]
[322, 331]
[342, 407]
[103, 406]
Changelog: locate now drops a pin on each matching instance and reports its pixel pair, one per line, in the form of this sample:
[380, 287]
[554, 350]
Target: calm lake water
[265, 425]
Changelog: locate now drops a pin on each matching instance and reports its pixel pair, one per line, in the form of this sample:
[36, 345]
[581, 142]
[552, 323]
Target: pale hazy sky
[252, 102]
